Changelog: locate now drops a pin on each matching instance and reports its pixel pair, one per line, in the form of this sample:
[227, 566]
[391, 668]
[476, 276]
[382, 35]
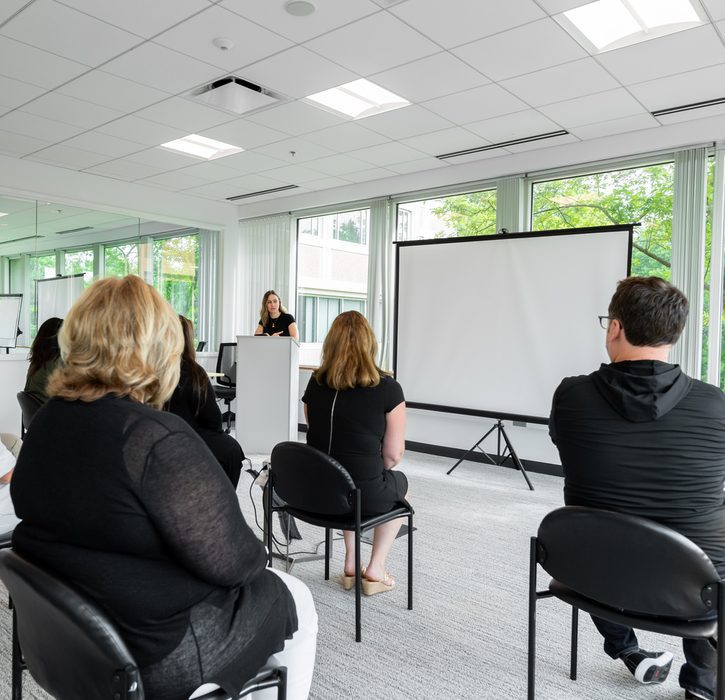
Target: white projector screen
[56, 295]
[9, 318]
[491, 325]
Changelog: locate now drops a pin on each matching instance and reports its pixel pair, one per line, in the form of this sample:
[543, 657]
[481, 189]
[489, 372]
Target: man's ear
[615, 329]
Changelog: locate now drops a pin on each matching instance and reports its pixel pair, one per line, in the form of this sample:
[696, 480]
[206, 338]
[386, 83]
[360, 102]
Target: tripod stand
[508, 452]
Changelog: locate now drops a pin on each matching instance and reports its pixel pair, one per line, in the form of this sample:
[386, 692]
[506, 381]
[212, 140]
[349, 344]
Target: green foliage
[472, 214]
[121, 260]
[349, 231]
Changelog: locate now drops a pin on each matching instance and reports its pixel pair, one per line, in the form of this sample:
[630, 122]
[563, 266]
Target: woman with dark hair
[356, 413]
[44, 358]
[193, 400]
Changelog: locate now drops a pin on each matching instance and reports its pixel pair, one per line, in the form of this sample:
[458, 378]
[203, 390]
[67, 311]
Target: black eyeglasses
[604, 321]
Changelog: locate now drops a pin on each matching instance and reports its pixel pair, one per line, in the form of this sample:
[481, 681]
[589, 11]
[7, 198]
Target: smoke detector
[235, 95]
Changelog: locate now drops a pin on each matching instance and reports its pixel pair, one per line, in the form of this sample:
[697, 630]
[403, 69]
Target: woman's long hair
[348, 354]
[45, 347]
[197, 374]
[263, 313]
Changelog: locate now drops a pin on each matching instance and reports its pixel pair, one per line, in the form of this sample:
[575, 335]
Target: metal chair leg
[17, 663]
[531, 692]
[574, 641]
[282, 686]
[358, 571]
[328, 539]
[720, 681]
[410, 561]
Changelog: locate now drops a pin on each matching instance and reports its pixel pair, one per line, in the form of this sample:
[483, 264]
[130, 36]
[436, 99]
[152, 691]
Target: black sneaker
[692, 695]
[648, 666]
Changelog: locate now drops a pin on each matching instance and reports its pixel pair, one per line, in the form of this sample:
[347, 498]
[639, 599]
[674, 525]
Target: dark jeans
[699, 671]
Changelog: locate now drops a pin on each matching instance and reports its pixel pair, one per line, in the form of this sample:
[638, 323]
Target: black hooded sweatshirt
[643, 438]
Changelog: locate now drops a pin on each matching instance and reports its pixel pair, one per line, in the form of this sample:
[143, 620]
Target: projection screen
[56, 295]
[490, 325]
[9, 319]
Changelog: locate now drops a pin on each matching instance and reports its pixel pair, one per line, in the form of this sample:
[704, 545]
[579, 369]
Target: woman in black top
[274, 319]
[44, 358]
[126, 503]
[356, 414]
[193, 400]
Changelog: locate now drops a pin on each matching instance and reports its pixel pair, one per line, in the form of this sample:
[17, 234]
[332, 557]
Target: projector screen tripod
[508, 453]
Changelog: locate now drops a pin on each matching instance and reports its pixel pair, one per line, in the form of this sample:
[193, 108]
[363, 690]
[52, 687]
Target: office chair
[628, 570]
[72, 649]
[317, 489]
[200, 345]
[29, 405]
[226, 387]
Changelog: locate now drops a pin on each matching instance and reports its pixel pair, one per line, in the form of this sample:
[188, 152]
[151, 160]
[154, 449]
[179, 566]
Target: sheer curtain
[267, 255]
[380, 278]
[688, 251]
[208, 323]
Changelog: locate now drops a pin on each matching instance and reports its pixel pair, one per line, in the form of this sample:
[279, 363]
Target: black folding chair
[29, 405]
[317, 489]
[628, 570]
[225, 388]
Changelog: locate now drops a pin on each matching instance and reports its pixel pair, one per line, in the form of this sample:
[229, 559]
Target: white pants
[298, 654]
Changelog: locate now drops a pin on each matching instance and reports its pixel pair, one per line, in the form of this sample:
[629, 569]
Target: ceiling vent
[16, 240]
[504, 144]
[261, 192]
[235, 95]
[688, 107]
[74, 230]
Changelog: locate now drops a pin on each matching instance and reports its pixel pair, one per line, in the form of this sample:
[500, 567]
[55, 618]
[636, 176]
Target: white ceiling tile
[162, 159]
[475, 104]
[408, 121]
[460, 21]
[18, 145]
[513, 126]
[103, 143]
[296, 118]
[162, 68]
[31, 65]
[553, 7]
[369, 174]
[297, 72]
[565, 82]
[429, 77]
[251, 162]
[71, 110]
[716, 8]
[122, 169]
[346, 137]
[244, 133]
[417, 166]
[249, 42]
[326, 183]
[328, 15]
[211, 171]
[184, 114]
[701, 113]
[685, 88]
[112, 91]
[9, 8]
[68, 157]
[721, 28]
[295, 150]
[544, 143]
[178, 180]
[615, 126]
[510, 53]
[232, 188]
[337, 165]
[218, 191]
[667, 55]
[13, 93]
[68, 33]
[32, 125]
[139, 16]
[445, 141]
[293, 174]
[142, 131]
[611, 104]
[482, 155]
[394, 43]
[387, 153]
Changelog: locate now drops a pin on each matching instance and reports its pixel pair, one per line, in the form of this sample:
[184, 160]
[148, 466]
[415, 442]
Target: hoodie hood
[642, 390]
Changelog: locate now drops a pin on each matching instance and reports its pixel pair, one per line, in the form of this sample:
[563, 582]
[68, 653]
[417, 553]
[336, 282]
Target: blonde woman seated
[274, 319]
[126, 503]
[356, 414]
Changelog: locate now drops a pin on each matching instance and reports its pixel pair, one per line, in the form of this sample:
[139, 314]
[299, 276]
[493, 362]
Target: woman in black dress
[356, 414]
[126, 503]
[193, 400]
[274, 319]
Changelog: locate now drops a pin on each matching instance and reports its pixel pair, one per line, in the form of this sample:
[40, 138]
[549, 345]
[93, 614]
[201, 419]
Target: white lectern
[268, 377]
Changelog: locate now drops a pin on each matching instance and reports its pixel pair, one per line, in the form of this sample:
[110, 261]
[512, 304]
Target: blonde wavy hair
[121, 337]
[348, 354]
[263, 313]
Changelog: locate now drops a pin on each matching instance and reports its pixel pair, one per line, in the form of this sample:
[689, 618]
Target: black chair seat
[224, 393]
[339, 523]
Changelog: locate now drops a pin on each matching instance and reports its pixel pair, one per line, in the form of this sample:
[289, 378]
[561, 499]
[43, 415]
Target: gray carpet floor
[466, 636]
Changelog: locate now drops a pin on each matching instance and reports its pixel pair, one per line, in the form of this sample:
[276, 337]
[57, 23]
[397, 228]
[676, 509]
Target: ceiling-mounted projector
[235, 95]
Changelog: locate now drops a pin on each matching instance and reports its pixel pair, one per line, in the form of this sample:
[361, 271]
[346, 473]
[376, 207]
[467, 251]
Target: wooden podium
[268, 376]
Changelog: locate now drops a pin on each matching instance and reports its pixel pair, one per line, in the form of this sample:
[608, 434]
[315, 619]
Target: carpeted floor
[466, 636]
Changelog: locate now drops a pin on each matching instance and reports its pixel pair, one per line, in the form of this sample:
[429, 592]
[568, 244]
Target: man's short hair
[651, 310]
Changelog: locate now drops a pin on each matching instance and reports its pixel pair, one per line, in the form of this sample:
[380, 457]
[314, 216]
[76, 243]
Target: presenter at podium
[274, 319]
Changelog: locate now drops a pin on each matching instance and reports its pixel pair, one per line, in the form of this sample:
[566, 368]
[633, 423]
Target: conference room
[428, 207]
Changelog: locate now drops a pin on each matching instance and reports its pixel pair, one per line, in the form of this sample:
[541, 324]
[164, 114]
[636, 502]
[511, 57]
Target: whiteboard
[55, 296]
[491, 325]
[9, 319]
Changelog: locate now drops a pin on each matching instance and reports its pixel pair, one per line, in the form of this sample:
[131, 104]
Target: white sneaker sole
[654, 670]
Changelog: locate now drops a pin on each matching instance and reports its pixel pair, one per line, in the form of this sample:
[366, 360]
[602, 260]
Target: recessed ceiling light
[3, 213]
[299, 8]
[358, 99]
[202, 147]
[611, 24]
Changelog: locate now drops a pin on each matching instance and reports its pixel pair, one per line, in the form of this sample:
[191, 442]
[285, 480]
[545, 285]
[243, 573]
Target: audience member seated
[194, 400]
[44, 358]
[125, 502]
[639, 436]
[8, 519]
[356, 414]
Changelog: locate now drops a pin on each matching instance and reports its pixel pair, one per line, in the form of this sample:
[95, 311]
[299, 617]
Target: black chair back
[29, 405]
[70, 647]
[587, 549]
[226, 364]
[200, 346]
[310, 480]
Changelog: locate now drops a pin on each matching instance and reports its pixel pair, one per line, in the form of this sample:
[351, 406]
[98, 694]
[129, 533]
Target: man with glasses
[639, 436]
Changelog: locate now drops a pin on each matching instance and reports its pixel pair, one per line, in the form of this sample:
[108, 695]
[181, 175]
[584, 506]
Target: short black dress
[349, 425]
[275, 325]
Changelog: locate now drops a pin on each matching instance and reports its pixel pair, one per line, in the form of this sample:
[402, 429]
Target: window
[471, 214]
[121, 259]
[176, 273]
[40, 267]
[351, 226]
[310, 226]
[633, 195]
[79, 262]
[316, 315]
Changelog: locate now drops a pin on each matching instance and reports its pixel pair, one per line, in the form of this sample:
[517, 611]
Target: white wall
[13, 369]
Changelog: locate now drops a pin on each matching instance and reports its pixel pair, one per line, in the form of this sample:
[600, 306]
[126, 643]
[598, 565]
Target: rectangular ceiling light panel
[358, 99]
[201, 147]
